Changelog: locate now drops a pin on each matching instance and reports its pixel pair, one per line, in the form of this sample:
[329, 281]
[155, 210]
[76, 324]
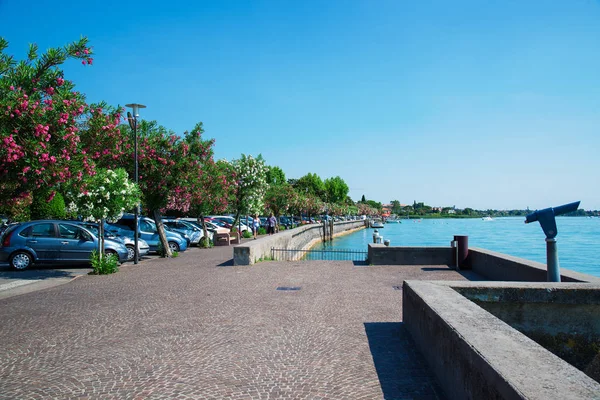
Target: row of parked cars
[72, 242]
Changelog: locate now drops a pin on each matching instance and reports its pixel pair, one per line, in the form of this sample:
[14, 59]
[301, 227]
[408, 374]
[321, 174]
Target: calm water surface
[578, 238]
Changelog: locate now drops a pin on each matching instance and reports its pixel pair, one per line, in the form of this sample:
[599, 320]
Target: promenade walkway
[198, 327]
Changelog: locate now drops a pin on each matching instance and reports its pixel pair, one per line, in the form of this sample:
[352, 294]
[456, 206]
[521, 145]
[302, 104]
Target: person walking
[255, 225]
[271, 223]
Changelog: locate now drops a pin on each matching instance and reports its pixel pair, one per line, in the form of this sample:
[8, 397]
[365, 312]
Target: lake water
[578, 238]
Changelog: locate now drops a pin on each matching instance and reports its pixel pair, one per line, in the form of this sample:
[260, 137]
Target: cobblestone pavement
[198, 327]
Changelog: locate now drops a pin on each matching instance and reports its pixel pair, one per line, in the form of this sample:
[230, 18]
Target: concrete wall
[475, 355]
[379, 254]
[251, 251]
[502, 267]
[554, 312]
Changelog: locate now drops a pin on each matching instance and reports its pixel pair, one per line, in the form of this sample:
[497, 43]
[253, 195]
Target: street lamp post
[133, 124]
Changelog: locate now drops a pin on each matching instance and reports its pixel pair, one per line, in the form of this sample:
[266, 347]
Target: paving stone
[196, 327]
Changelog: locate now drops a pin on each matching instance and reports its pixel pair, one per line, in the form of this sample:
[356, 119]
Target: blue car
[52, 242]
[149, 233]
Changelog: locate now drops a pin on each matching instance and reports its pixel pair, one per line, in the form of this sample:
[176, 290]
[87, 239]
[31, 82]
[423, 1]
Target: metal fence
[323, 255]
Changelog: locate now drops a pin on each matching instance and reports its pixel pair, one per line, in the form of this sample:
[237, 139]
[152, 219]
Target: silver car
[52, 242]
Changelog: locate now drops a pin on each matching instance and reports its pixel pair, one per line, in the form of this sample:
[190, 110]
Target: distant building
[451, 212]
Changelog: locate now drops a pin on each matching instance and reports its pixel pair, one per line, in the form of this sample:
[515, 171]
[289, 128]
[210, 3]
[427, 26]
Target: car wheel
[130, 253]
[173, 246]
[21, 260]
[112, 253]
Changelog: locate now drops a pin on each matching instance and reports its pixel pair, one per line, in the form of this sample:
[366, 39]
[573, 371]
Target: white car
[230, 221]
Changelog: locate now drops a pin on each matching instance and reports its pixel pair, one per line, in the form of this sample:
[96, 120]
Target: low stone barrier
[502, 267]
[379, 254]
[302, 237]
[475, 355]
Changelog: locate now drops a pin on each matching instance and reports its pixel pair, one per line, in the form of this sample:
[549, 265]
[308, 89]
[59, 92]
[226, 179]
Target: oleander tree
[313, 205]
[279, 199]
[162, 172]
[107, 143]
[251, 185]
[39, 114]
[106, 195]
[209, 182]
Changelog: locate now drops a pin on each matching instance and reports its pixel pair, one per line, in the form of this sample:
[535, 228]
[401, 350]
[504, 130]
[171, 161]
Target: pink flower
[12, 87]
[60, 81]
[83, 62]
[89, 60]
[86, 51]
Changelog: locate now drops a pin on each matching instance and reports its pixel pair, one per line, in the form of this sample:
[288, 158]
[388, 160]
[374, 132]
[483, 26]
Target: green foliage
[374, 204]
[336, 189]
[161, 250]
[310, 184]
[264, 258]
[175, 254]
[275, 176]
[262, 231]
[107, 264]
[247, 235]
[41, 208]
[363, 199]
[396, 208]
[205, 243]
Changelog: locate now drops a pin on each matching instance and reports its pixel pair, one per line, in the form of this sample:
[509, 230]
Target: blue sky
[468, 103]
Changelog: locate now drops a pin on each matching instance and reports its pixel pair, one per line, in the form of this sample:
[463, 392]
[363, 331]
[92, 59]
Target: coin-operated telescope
[547, 220]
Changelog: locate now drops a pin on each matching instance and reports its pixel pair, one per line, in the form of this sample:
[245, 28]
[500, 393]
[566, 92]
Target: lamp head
[136, 108]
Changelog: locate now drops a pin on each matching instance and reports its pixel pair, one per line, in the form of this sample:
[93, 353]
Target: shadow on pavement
[228, 263]
[435, 269]
[402, 371]
[43, 273]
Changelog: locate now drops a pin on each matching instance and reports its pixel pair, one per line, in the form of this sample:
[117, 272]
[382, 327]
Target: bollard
[462, 244]
[454, 246]
[387, 242]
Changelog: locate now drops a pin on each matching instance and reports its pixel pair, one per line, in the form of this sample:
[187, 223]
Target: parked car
[285, 221]
[149, 233]
[52, 242]
[218, 222]
[230, 220]
[124, 236]
[190, 231]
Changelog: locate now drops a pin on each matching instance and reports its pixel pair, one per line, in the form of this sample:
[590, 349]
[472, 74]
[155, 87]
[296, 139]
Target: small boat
[393, 221]
[488, 218]
[376, 223]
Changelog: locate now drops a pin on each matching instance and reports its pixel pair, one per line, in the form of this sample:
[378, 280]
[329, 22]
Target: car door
[76, 244]
[149, 234]
[43, 240]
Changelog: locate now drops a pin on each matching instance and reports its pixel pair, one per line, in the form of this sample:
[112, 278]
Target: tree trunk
[101, 239]
[161, 233]
[204, 230]
[236, 221]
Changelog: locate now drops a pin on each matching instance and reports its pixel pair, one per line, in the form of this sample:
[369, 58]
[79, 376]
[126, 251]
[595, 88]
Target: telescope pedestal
[552, 260]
